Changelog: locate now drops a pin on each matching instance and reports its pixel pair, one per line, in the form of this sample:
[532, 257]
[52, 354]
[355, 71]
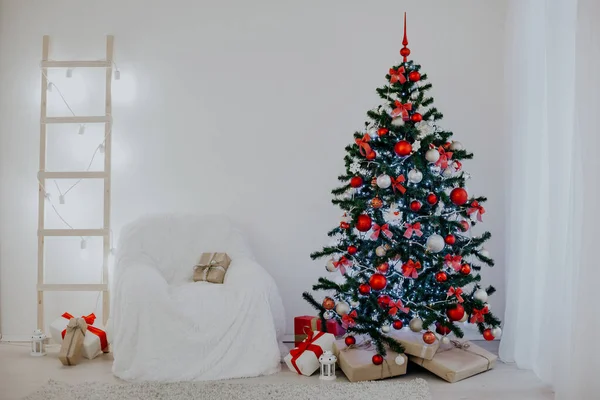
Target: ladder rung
[73, 232]
[76, 64]
[75, 120]
[73, 287]
[73, 175]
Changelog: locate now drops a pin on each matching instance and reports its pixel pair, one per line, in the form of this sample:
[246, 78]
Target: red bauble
[350, 340]
[376, 202]
[441, 329]
[377, 359]
[371, 156]
[450, 239]
[344, 225]
[429, 337]
[382, 131]
[405, 52]
[363, 223]
[356, 181]
[456, 313]
[416, 117]
[415, 205]
[441, 276]
[459, 196]
[383, 268]
[384, 301]
[464, 224]
[328, 303]
[364, 289]
[414, 76]
[352, 250]
[465, 269]
[377, 282]
[403, 148]
[487, 334]
[397, 324]
[431, 198]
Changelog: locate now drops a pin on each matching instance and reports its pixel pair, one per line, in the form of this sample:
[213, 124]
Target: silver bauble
[435, 243]
[328, 314]
[497, 332]
[415, 176]
[342, 308]
[399, 360]
[330, 267]
[385, 328]
[384, 181]
[481, 295]
[373, 133]
[456, 145]
[416, 324]
[432, 155]
[380, 251]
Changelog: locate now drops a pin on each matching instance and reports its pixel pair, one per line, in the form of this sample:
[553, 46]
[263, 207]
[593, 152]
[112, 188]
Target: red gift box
[314, 323]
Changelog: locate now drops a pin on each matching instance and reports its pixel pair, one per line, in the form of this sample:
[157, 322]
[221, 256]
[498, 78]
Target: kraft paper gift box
[413, 343]
[458, 360]
[304, 359]
[71, 347]
[314, 323]
[95, 342]
[212, 267]
[357, 362]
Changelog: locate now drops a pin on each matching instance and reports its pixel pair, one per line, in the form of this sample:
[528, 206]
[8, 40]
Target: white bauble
[485, 253]
[327, 314]
[384, 181]
[415, 176]
[416, 324]
[464, 318]
[398, 121]
[380, 251]
[385, 328]
[399, 360]
[445, 340]
[456, 145]
[342, 308]
[330, 267]
[354, 304]
[435, 243]
[448, 172]
[481, 295]
[373, 133]
[497, 332]
[432, 155]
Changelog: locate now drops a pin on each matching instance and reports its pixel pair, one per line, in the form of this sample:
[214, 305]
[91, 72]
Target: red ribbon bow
[307, 344]
[397, 184]
[476, 208]
[89, 320]
[453, 261]
[414, 228]
[342, 263]
[348, 319]
[385, 228]
[444, 157]
[455, 292]
[397, 306]
[363, 145]
[397, 75]
[477, 315]
[401, 109]
[409, 270]
[457, 165]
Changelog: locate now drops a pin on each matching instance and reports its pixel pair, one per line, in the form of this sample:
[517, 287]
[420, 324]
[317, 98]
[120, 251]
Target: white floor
[21, 374]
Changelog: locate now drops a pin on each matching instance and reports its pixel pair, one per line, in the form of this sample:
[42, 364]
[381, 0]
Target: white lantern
[38, 343]
[327, 361]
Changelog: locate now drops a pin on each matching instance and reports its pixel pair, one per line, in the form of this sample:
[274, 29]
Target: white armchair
[168, 328]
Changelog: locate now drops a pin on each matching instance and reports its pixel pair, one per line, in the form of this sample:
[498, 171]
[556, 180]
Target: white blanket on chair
[168, 328]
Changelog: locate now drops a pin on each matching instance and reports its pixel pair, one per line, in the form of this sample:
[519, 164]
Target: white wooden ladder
[104, 232]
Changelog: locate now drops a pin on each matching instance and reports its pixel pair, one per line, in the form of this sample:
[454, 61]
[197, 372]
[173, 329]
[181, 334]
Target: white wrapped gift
[304, 359]
[92, 342]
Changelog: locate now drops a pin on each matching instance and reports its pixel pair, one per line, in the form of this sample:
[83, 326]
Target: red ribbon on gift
[385, 228]
[89, 320]
[477, 315]
[348, 319]
[401, 109]
[453, 261]
[397, 184]
[397, 306]
[414, 228]
[397, 75]
[307, 345]
[442, 162]
[455, 292]
[342, 263]
[409, 270]
[476, 208]
[363, 145]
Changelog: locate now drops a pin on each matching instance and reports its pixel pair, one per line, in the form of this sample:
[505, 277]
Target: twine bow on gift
[476, 208]
[206, 268]
[465, 346]
[89, 320]
[414, 228]
[385, 229]
[367, 345]
[306, 345]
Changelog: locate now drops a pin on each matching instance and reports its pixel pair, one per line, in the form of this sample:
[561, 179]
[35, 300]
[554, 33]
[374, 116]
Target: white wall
[235, 107]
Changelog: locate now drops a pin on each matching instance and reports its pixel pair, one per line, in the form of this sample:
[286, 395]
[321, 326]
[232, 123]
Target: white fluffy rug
[416, 389]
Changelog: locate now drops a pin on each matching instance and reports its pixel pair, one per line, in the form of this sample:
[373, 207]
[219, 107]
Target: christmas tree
[404, 245]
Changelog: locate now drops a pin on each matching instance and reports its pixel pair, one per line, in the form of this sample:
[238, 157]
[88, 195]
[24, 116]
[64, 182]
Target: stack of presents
[453, 361]
[78, 337]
